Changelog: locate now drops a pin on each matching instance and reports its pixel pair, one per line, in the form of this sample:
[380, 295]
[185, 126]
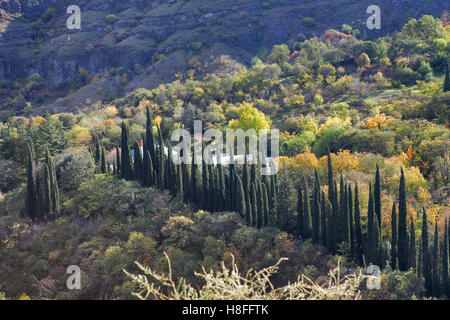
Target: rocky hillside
[127, 44]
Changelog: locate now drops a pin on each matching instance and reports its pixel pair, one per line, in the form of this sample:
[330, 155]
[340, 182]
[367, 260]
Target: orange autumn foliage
[342, 161]
[378, 122]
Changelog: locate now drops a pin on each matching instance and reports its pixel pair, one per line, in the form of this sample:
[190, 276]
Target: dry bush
[229, 284]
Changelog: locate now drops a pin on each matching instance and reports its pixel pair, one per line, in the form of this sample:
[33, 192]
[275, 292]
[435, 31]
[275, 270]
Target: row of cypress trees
[212, 187]
[336, 224]
[42, 200]
[420, 255]
[333, 221]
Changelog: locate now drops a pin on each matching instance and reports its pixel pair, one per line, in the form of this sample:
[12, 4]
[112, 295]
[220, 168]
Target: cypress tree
[330, 178]
[331, 235]
[194, 181]
[47, 191]
[426, 262]
[245, 176]
[371, 232]
[249, 209]
[273, 200]
[402, 226]
[344, 212]
[300, 214]
[137, 164]
[358, 230]
[169, 169]
[266, 209]
[316, 210]
[104, 167]
[447, 79]
[246, 187]
[412, 244]
[145, 164]
[40, 200]
[161, 172]
[98, 152]
[445, 283]
[179, 182]
[436, 281]
[260, 213]
[377, 196]
[54, 189]
[306, 212]
[254, 205]
[222, 189]
[117, 160]
[205, 186]
[30, 203]
[231, 187]
[337, 225]
[350, 220]
[394, 237]
[125, 168]
[148, 175]
[149, 138]
[186, 182]
[240, 197]
[323, 220]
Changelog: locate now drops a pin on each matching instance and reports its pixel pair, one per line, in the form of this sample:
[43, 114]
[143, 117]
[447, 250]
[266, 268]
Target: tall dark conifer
[300, 214]
[402, 226]
[254, 205]
[426, 260]
[125, 163]
[377, 196]
[330, 178]
[118, 161]
[412, 244]
[260, 204]
[323, 220]
[149, 138]
[371, 254]
[306, 212]
[194, 181]
[240, 197]
[205, 186]
[30, 203]
[103, 164]
[447, 79]
[436, 281]
[47, 191]
[315, 216]
[445, 254]
[273, 200]
[394, 229]
[351, 220]
[359, 250]
[266, 209]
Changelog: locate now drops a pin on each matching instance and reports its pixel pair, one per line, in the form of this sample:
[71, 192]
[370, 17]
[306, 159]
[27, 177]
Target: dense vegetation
[363, 174]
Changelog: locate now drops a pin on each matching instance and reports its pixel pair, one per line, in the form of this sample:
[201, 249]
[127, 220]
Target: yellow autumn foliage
[342, 161]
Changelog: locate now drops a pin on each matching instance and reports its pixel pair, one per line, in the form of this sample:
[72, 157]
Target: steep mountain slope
[137, 34]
